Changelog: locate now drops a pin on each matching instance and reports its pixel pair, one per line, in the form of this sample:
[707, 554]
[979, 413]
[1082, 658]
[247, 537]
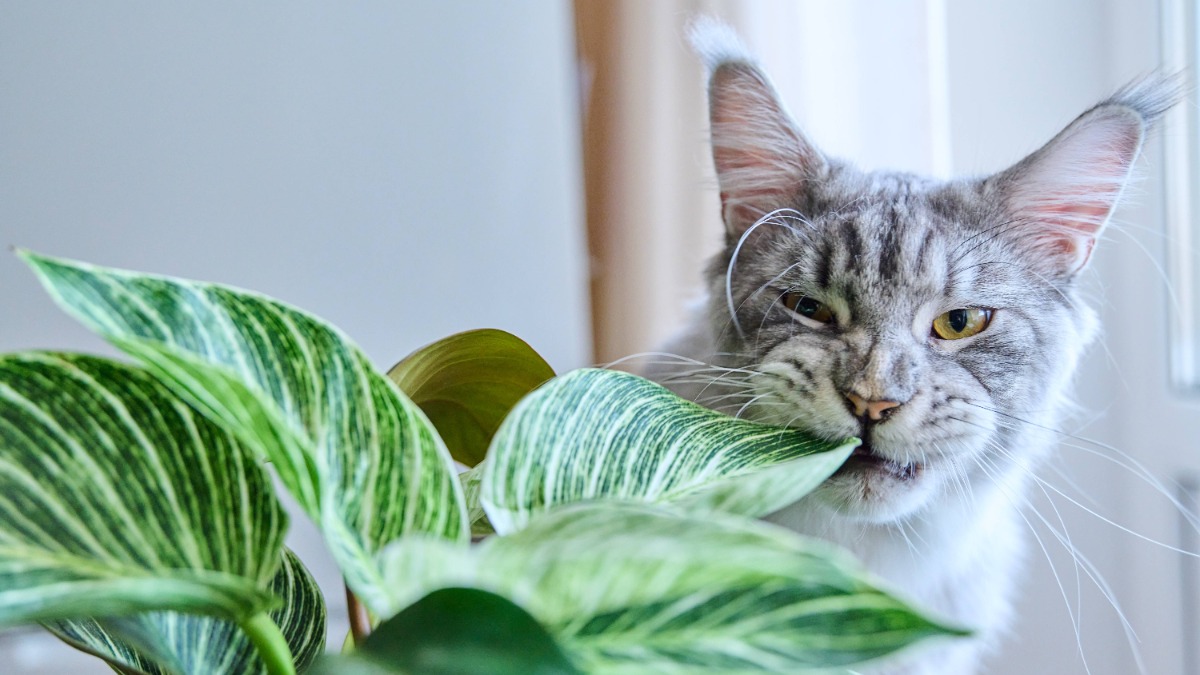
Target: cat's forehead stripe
[883, 246]
[891, 250]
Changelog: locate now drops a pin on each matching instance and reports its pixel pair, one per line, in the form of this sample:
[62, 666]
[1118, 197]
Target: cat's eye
[807, 307]
[961, 323]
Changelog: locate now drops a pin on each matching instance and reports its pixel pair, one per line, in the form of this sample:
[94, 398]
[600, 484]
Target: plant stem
[269, 642]
[360, 622]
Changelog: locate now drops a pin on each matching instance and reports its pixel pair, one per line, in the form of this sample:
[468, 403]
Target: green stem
[269, 642]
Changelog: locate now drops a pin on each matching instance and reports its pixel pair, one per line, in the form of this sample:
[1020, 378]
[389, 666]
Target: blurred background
[407, 170]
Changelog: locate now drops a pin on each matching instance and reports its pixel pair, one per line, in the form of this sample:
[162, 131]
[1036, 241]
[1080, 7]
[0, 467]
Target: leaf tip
[24, 254]
[36, 261]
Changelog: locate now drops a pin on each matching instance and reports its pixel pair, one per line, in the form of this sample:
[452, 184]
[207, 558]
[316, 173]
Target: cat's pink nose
[874, 410]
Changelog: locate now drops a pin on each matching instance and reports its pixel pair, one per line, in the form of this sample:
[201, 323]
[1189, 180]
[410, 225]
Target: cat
[938, 321]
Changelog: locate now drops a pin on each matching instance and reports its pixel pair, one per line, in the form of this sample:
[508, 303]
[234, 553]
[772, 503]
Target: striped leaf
[633, 589]
[169, 643]
[116, 497]
[360, 458]
[595, 434]
[467, 383]
[456, 631]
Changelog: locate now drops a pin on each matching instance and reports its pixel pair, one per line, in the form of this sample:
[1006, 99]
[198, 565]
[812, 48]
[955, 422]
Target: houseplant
[138, 522]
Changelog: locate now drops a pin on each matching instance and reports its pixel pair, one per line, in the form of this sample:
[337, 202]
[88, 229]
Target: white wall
[405, 170]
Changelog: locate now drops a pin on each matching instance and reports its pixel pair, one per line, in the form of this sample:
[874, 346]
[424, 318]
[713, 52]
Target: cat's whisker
[983, 463]
[841, 210]
[1115, 524]
[1081, 561]
[1122, 459]
[900, 528]
[958, 475]
[1021, 502]
[1064, 538]
[1000, 449]
[711, 372]
[1163, 277]
[661, 357]
[994, 231]
[770, 281]
[768, 219]
[690, 380]
[749, 403]
[669, 358]
[713, 401]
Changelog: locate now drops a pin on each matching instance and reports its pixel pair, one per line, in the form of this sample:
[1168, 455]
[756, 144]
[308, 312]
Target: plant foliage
[631, 589]
[359, 457]
[116, 497]
[467, 383]
[161, 643]
[457, 631]
[594, 434]
[137, 521]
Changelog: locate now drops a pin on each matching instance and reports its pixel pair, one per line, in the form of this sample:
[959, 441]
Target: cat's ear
[761, 157]
[1060, 197]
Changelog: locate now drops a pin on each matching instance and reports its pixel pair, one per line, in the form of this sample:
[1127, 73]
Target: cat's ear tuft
[761, 157]
[1061, 196]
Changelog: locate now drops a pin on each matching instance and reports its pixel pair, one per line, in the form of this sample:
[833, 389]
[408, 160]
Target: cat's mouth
[864, 459]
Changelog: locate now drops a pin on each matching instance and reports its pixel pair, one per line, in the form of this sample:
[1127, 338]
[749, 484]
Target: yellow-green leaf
[467, 383]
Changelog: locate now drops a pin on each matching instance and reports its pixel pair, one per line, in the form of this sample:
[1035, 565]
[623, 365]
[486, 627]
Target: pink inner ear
[1066, 191]
[1084, 212]
[760, 157]
[1068, 226]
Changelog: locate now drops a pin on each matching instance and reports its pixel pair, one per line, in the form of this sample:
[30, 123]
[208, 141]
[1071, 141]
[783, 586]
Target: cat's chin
[875, 488]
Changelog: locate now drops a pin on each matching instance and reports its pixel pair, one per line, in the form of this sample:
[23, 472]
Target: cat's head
[933, 319]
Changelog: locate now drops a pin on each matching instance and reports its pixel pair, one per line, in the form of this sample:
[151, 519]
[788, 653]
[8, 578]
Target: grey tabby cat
[937, 320]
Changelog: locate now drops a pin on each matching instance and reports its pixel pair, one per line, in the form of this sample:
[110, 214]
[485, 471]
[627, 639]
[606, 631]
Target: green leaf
[162, 643]
[633, 589]
[456, 631]
[467, 383]
[480, 527]
[116, 497]
[360, 458]
[595, 434]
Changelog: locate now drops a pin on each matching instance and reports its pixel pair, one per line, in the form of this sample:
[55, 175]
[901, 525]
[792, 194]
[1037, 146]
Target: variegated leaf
[116, 497]
[169, 643]
[594, 434]
[467, 383]
[633, 589]
[359, 457]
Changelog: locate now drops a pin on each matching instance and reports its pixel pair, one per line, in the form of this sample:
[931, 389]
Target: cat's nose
[873, 410]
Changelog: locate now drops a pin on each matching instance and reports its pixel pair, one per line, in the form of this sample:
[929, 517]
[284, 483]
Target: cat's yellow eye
[961, 323]
[807, 307]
